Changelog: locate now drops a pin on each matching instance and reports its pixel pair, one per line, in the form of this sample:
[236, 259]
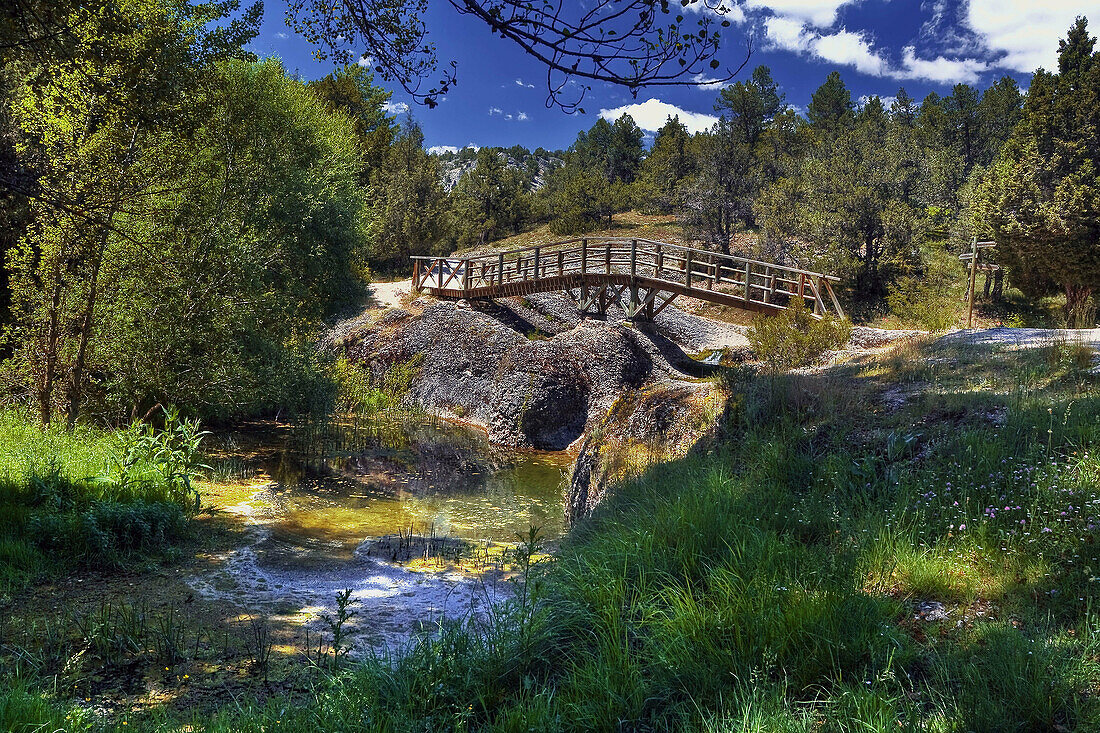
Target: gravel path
[1026, 338]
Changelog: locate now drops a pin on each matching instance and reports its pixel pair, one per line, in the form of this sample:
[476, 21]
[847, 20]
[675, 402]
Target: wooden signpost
[972, 255]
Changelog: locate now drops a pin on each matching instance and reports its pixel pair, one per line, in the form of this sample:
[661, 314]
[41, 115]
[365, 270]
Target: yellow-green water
[335, 486]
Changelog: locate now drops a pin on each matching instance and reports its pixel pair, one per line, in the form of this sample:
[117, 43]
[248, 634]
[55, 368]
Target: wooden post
[537, 263]
[465, 276]
[633, 258]
[660, 262]
[416, 275]
[607, 258]
[819, 304]
[973, 275]
[584, 256]
[561, 262]
[687, 271]
[748, 278]
[500, 269]
[440, 263]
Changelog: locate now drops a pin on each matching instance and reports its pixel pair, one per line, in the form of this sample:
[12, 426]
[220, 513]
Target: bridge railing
[689, 271]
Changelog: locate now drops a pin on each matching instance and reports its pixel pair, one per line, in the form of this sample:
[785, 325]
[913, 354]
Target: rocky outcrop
[527, 389]
[534, 372]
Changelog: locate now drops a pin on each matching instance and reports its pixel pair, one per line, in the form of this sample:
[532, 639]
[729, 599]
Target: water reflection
[338, 484]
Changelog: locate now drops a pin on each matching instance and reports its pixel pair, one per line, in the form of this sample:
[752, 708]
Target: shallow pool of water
[335, 485]
[313, 500]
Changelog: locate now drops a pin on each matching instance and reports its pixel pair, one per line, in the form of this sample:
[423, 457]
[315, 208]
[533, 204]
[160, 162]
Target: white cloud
[940, 69]
[850, 49]
[821, 13]
[365, 61]
[495, 111]
[282, 35]
[787, 34]
[706, 83]
[652, 114]
[521, 83]
[1026, 31]
[856, 50]
[396, 108]
[522, 117]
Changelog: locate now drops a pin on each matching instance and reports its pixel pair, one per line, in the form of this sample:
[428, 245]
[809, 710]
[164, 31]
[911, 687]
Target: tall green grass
[87, 497]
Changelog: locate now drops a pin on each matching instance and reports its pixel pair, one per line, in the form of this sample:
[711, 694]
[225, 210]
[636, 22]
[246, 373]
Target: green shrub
[922, 303]
[108, 532]
[795, 338]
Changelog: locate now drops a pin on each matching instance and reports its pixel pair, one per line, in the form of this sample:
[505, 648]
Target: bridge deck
[604, 269]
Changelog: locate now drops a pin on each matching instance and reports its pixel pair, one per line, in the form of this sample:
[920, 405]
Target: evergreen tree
[831, 105]
[408, 201]
[671, 160]
[352, 91]
[751, 106]
[1042, 197]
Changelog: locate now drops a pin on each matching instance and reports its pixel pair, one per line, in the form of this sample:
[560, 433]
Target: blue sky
[877, 45]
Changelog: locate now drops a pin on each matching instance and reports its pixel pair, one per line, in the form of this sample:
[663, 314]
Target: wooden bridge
[597, 272]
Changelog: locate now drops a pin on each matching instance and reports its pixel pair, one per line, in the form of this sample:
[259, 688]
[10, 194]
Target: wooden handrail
[626, 264]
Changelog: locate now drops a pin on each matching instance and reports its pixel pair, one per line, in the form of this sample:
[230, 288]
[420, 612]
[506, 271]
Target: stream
[332, 507]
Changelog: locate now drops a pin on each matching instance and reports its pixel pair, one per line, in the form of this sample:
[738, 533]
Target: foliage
[90, 498]
[205, 289]
[489, 200]
[1039, 200]
[408, 203]
[929, 298]
[795, 338]
[173, 451]
[351, 91]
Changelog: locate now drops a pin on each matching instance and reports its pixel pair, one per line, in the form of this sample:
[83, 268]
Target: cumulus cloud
[652, 114]
[282, 35]
[856, 50]
[365, 61]
[850, 49]
[787, 34]
[495, 111]
[940, 69]
[396, 108]
[522, 117]
[1024, 31]
[521, 83]
[726, 10]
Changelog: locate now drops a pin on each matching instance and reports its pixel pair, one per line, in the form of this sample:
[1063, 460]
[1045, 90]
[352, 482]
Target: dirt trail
[388, 295]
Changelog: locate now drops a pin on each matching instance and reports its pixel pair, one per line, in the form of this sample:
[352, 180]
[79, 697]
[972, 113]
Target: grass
[90, 498]
[776, 581]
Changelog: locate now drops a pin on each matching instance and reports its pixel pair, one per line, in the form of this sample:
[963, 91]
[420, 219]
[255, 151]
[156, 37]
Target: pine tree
[1042, 198]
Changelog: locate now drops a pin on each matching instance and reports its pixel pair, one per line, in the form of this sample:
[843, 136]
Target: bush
[108, 532]
[795, 338]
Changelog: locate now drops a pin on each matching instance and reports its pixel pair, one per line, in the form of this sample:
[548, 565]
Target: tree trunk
[76, 381]
[44, 390]
[1079, 313]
